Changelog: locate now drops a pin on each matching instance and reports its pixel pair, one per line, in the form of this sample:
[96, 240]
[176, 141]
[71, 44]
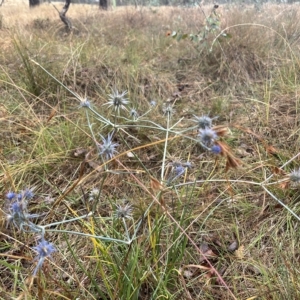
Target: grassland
[226, 228]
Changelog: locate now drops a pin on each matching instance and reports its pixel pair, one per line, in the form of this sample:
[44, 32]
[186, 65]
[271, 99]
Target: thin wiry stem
[281, 203]
[103, 238]
[165, 148]
[67, 221]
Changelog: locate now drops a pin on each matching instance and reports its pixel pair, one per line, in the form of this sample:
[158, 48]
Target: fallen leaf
[155, 185]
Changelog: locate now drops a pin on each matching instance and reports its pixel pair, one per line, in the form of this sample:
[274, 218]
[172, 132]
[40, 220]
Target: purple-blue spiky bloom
[216, 149]
[107, 148]
[207, 137]
[179, 170]
[203, 122]
[44, 250]
[17, 212]
[27, 194]
[10, 195]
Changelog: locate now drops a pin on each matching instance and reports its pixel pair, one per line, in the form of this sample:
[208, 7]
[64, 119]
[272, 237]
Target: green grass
[210, 234]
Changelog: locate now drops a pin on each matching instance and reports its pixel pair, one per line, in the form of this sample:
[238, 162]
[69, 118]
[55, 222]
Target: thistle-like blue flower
[207, 137]
[10, 195]
[44, 250]
[107, 148]
[179, 170]
[203, 122]
[17, 212]
[216, 149]
[27, 194]
[117, 101]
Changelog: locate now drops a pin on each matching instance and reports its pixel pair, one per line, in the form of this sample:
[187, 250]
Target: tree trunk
[103, 4]
[33, 3]
[63, 16]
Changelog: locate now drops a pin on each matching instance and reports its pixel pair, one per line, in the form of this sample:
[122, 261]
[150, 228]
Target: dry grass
[249, 81]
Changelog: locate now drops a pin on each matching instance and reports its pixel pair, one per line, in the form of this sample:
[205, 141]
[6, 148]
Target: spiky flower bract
[17, 212]
[207, 137]
[295, 177]
[44, 250]
[85, 103]
[203, 122]
[178, 170]
[107, 148]
[123, 211]
[134, 114]
[117, 101]
[168, 109]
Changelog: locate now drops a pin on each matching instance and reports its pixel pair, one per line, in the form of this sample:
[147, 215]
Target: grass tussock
[173, 208]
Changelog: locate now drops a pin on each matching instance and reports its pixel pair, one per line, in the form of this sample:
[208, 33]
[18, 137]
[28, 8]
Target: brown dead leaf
[221, 130]
[155, 185]
[80, 152]
[278, 171]
[206, 252]
[52, 113]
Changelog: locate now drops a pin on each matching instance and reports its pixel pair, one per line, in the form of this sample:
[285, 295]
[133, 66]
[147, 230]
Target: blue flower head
[203, 122]
[10, 195]
[28, 194]
[216, 149]
[17, 212]
[107, 148]
[44, 250]
[207, 137]
[179, 170]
